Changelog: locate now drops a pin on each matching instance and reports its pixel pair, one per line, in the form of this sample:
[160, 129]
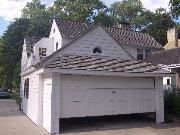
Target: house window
[26, 88]
[147, 53]
[97, 50]
[168, 81]
[42, 53]
[57, 46]
[140, 54]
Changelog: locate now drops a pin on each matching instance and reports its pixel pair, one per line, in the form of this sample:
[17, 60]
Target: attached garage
[72, 86]
[82, 96]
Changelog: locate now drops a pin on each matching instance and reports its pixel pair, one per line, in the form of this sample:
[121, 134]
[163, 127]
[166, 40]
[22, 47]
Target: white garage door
[82, 96]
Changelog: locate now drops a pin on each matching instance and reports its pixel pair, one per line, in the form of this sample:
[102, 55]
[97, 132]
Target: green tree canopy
[159, 26]
[133, 12]
[175, 8]
[83, 10]
[105, 19]
[39, 18]
[10, 53]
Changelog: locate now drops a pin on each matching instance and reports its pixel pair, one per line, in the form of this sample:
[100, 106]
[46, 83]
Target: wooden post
[55, 103]
[159, 99]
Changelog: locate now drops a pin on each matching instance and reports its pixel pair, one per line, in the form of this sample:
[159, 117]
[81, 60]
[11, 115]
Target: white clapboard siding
[82, 96]
[58, 38]
[30, 105]
[97, 38]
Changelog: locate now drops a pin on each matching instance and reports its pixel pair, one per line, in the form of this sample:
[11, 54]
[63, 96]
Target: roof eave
[102, 73]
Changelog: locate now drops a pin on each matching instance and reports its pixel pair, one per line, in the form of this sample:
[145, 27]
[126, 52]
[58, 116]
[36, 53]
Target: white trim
[174, 66]
[102, 73]
[159, 100]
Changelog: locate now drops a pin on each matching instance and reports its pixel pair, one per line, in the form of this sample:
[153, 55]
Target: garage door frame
[55, 79]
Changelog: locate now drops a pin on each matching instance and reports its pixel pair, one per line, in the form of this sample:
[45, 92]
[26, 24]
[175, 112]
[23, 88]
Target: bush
[172, 104]
[18, 99]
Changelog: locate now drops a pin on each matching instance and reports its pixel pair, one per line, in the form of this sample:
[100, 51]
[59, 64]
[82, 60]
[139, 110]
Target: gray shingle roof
[128, 37]
[166, 57]
[76, 29]
[99, 63]
[73, 29]
[30, 41]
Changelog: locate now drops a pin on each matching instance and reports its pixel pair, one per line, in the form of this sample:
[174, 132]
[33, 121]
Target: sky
[10, 9]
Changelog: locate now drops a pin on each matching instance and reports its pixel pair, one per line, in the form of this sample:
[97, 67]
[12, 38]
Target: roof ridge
[72, 20]
[116, 27]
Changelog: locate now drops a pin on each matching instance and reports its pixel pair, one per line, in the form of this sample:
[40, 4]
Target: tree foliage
[105, 19]
[175, 8]
[39, 18]
[133, 12]
[160, 23]
[83, 10]
[10, 53]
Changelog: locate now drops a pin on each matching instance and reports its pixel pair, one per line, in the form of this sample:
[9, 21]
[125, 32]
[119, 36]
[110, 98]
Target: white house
[85, 70]
[169, 59]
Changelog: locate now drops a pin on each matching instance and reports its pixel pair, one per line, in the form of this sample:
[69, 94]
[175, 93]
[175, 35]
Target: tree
[39, 18]
[83, 10]
[132, 12]
[159, 26]
[10, 53]
[105, 19]
[175, 8]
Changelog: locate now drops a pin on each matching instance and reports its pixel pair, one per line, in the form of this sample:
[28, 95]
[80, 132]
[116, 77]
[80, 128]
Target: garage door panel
[81, 101]
[106, 82]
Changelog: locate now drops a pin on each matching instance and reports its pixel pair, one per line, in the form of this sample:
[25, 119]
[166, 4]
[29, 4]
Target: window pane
[140, 51]
[147, 53]
[57, 46]
[168, 81]
[26, 88]
[140, 54]
[42, 53]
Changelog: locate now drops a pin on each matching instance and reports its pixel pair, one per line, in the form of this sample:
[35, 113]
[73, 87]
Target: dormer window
[147, 53]
[140, 54]
[97, 50]
[57, 46]
[42, 53]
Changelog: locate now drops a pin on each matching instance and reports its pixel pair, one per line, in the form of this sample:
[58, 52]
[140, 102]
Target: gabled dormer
[34, 50]
[65, 31]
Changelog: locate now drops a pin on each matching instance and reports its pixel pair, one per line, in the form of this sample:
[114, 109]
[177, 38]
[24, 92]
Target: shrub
[172, 104]
[18, 99]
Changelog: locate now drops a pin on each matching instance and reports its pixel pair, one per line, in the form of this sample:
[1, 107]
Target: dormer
[34, 50]
[65, 31]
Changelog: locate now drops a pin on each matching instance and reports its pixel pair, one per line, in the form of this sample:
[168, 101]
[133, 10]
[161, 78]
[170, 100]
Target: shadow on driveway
[120, 122]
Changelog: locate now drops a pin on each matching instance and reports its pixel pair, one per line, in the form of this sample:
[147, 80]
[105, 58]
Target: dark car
[4, 94]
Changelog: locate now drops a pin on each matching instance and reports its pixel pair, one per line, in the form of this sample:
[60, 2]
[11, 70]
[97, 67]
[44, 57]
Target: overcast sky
[10, 9]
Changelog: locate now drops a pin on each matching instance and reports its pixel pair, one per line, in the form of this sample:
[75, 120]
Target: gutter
[103, 73]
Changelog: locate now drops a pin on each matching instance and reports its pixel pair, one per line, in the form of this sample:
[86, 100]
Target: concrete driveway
[13, 122]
